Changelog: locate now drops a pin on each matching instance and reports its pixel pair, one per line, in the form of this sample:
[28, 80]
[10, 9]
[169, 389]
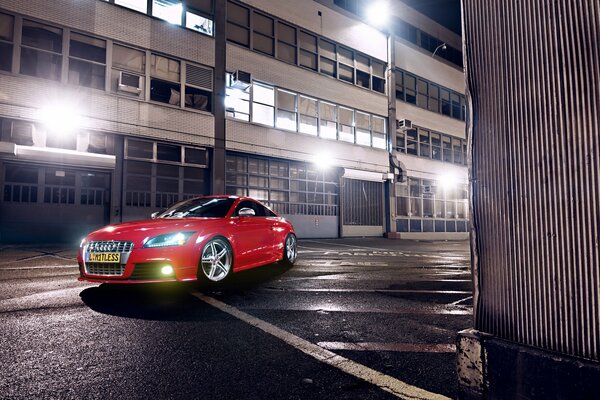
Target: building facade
[111, 110]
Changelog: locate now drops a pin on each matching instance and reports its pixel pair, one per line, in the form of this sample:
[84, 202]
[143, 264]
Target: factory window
[7, 23]
[346, 64]
[198, 87]
[363, 128]
[378, 76]
[197, 16]
[137, 5]
[363, 71]
[238, 24]
[428, 144]
[59, 186]
[164, 80]
[168, 10]
[346, 124]
[237, 101]
[429, 96]
[87, 61]
[263, 104]
[286, 42]
[327, 58]
[308, 50]
[307, 108]
[328, 120]
[41, 50]
[379, 132]
[286, 110]
[20, 184]
[263, 34]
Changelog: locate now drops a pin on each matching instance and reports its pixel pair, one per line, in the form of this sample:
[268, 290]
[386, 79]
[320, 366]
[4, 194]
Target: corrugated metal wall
[533, 74]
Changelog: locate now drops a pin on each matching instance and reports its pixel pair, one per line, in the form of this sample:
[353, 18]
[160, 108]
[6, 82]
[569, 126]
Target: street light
[441, 46]
[378, 13]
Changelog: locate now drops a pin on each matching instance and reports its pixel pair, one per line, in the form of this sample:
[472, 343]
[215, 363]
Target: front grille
[105, 269]
[110, 246]
[148, 272]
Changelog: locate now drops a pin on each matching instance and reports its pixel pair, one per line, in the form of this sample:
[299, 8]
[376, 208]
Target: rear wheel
[290, 250]
[216, 263]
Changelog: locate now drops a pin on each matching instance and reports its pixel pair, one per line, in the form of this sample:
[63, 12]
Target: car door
[253, 235]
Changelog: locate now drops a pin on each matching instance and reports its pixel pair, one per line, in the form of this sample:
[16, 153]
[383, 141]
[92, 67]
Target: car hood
[137, 231]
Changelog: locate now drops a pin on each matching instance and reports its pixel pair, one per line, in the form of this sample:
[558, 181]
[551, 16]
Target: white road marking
[385, 382]
[396, 347]
[341, 290]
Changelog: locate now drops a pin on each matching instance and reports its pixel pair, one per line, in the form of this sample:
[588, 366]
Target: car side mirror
[246, 212]
[154, 215]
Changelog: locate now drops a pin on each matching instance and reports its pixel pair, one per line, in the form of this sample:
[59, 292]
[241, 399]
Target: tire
[290, 250]
[216, 260]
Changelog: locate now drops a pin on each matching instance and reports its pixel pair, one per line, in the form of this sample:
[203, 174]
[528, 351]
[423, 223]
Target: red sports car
[201, 238]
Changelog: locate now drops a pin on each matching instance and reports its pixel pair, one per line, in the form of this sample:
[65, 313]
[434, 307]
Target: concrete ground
[353, 319]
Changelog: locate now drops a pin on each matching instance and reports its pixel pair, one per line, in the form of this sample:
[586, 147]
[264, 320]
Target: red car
[201, 238]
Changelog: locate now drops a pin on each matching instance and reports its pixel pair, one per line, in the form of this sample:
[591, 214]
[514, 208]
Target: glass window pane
[263, 24]
[379, 140]
[140, 149]
[200, 5]
[128, 58]
[308, 60]
[328, 129]
[327, 111]
[378, 124]
[263, 44]
[308, 41]
[346, 116]
[163, 67]
[6, 27]
[363, 137]
[378, 69]
[308, 125]
[238, 34]
[198, 23]
[286, 120]
[328, 67]
[42, 36]
[87, 48]
[286, 33]
[327, 49]
[262, 114]
[346, 73]
[286, 100]
[345, 55]
[286, 52]
[137, 5]
[238, 14]
[41, 64]
[87, 74]
[167, 152]
[307, 106]
[196, 156]
[263, 94]
[6, 51]
[363, 120]
[363, 63]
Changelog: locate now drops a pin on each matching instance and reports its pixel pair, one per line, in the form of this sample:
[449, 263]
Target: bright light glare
[61, 117]
[322, 160]
[166, 270]
[449, 181]
[378, 13]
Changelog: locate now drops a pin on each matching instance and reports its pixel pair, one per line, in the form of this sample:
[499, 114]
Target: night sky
[445, 12]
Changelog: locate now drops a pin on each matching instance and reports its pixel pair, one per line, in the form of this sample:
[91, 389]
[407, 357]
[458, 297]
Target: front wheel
[290, 250]
[216, 263]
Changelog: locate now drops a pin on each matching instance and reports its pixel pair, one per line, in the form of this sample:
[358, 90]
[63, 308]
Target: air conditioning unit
[129, 83]
[427, 189]
[404, 124]
[241, 80]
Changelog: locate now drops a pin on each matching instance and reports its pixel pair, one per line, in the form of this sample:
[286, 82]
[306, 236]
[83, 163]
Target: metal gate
[362, 207]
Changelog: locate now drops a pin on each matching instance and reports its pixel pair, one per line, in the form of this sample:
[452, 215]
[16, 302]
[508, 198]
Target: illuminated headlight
[169, 239]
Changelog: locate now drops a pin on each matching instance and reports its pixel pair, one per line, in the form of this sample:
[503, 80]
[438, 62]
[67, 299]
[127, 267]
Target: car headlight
[169, 239]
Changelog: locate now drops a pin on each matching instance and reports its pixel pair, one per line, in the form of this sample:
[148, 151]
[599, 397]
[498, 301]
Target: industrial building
[112, 110]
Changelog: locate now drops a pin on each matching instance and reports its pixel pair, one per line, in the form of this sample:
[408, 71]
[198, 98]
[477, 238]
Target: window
[263, 102]
[379, 133]
[59, 186]
[422, 93]
[401, 141]
[363, 128]
[434, 98]
[436, 146]
[327, 58]
[238, 24]
[346, 124]
[308, 50]
[41, 50]
[237, 101]
[196, 156]
[168, 152]
[198, 88]
[137, 5]
[307, 109]
[328, 124]
[286, 110]
[445, 95]
[168, 10]
[164, 80]
[6, 41]
[195, 20]
[378, 76]
[87, 61]
[458, 150]
[424, 146]
[140, 149]
[286, 43]
[410, 92]
[446, 148]
[346, 64]
[128, 68]
[20, 184]
[98, 143]
[263, 34]
[412, 142]
[363, 69]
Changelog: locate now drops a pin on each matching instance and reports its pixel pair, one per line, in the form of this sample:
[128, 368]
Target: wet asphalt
[394, 306]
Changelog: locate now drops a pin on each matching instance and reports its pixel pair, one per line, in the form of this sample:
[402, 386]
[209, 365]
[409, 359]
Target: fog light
[167, 270]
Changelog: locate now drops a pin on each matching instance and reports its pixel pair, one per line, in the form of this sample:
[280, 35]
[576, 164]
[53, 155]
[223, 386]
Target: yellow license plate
[105, 257]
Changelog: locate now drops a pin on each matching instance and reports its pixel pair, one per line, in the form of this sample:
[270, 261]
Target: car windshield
[200, 207]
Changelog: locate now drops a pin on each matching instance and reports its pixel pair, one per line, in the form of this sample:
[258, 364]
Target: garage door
[51, 204]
